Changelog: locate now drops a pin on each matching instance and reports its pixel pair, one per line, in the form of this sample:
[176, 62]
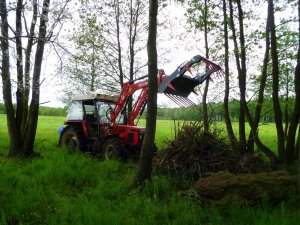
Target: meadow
[64, 188]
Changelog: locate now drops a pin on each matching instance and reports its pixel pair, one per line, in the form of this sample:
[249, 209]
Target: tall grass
[63, 188]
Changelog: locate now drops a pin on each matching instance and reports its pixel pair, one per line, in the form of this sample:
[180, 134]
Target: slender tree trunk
[232, 139]
[298, 180]
[93, 71]
[20, 84]
[243, 74]
[286, 106]
[242, 128]
[145, 163]
[298, 147]
[204, 97]
[121, 75]
[254, 126]
[132, 39]
[14, 136]
[291, 152]
[298, 143]
[34, 105]
[27, 66]
[275, 85]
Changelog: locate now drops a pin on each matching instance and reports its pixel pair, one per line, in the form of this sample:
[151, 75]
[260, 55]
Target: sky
[177, 43]
[176, 55]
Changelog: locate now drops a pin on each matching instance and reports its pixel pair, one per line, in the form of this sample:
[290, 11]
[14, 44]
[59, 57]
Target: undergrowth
[63, 188]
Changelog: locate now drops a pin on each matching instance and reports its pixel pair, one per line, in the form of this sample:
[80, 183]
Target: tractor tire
[73, 139]
[113, 148]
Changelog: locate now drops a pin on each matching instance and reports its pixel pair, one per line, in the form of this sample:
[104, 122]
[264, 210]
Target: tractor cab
[93, 112]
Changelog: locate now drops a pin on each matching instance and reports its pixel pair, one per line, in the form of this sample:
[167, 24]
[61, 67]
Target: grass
[165, 131]
[63, 188]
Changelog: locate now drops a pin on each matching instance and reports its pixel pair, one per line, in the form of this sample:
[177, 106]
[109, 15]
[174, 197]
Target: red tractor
[99, 123]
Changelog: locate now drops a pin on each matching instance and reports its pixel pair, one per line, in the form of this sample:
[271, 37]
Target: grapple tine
[185, 101]
[172, 97]
[191, 103]
[181, 101]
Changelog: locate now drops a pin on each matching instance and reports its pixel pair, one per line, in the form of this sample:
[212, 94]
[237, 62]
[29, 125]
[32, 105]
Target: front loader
[99, 123]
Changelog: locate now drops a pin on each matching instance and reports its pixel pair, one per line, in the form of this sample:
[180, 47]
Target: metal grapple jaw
[179, 86]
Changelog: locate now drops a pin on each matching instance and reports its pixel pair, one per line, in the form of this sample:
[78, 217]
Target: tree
[22, 121]
[204, 16]
[83, 69]
[116, 35]
[135, 27]
[275, 82]
[145, 163]
[292, 148]
[231, 136]
[254, 123]
[240, 57]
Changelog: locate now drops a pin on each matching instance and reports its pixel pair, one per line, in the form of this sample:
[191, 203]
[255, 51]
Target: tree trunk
[93, 70]
[145, 163]
[291, 151]
[286, 106]
[275, 84]
[34, 105]
[204, 97]
[121, 76]
[241, 73]
[254, 126]
[298, 143]
[20, 83]
[27, 66]
[298, 149]
[227, 119]
[132, 39]
[14, 136]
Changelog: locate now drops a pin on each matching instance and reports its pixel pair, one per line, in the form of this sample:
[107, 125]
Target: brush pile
[195, 152]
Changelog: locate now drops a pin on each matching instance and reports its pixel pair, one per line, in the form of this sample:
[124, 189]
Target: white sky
[177, 54]
[179, 50]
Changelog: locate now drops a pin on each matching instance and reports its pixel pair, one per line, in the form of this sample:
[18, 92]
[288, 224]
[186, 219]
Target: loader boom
[176, 86]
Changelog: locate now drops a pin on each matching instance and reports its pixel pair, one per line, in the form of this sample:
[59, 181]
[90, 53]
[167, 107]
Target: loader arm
[176, 86]
[128, 89]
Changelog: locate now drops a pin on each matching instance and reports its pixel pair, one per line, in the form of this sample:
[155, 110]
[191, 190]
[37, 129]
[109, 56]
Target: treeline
[43, 110]
[216, 111]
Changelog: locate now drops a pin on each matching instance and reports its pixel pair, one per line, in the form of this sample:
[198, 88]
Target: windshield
[75, 111]
[103, 108]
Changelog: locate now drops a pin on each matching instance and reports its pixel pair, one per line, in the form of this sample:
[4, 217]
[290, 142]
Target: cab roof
[97, 97]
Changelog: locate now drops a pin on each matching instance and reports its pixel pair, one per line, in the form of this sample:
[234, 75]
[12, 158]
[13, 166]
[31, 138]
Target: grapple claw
[178, 86]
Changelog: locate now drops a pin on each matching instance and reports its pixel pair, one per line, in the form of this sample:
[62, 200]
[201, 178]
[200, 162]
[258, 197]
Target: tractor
[99, 124]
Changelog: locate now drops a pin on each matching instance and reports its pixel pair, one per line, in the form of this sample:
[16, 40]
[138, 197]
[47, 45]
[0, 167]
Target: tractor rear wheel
[113, 148]
[73, 139]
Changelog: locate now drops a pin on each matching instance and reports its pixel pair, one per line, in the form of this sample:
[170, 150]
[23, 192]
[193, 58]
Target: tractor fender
[61, 129]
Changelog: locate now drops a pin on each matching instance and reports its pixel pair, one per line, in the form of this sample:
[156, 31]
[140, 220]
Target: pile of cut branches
[195, 152]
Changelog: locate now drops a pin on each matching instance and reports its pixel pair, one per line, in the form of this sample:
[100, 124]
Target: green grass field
[63, 188]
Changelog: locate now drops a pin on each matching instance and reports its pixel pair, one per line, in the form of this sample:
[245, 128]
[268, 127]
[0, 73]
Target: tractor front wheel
[73, 139]
[113, 148]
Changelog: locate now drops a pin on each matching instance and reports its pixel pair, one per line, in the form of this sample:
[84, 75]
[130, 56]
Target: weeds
[63, 188]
